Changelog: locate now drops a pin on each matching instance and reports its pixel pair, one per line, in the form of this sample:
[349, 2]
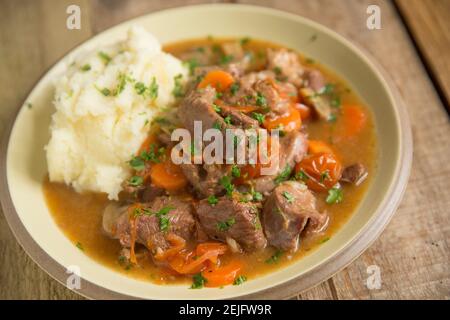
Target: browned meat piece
[293, 148]
[271, 94]
[319, 103]
[287, 64]
[245, 95]
[232, 219]
[150, 193]
[205, 178]
[198, 106]
[354, 174]
[233, 49]
[239, 119]
[152, 225]
[200, 56]
[287, 212]
[314, 79]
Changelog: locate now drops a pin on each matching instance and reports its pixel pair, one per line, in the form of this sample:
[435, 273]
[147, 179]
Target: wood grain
[412, 253]
[429, 23]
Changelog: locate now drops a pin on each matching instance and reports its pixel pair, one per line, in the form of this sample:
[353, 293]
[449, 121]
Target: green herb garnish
[235, 171]
[239, 280]
[178, 87]
[284, 175]
[225, 225]
[288, 196]
[225, 181]
[212, 200]
[105, 57]
[86, 67]
[198, 281]
[335, 195]
[261, 100]
[234, 88]
[136, 181]
[275, 257]
[258, 116]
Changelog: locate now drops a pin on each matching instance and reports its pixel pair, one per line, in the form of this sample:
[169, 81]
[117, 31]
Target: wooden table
[413, 46]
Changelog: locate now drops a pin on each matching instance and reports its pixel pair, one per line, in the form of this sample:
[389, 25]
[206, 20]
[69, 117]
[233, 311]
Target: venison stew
[216, 224]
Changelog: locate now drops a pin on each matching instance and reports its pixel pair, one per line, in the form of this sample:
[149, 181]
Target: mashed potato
[105, 104]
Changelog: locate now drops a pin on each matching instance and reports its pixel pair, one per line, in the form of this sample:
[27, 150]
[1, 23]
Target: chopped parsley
[29, 105]
[261, 100]
[225, 59]
[244, 41]
[258, 116]
[106, 58]
[288, 196]
[239, 280]
[137, 163]
[212, 200]
[324, 176]
[86, 67]
[275, 257]
[277, 70]
[234, 88]
[325, 240]
[154, 154]
[136, 181]
[105, 91]
[178, 87]
[301, 175]
[335, 195]
[191, 64]
[284, 175]
[150, 91]
[198, 281]
[257, 196]
[79, 246]
[164, 223]
[217, 125]
[225, 181]
[227, 120]
[216, 108]
[235, 171]
[332, 118]
[225, 225]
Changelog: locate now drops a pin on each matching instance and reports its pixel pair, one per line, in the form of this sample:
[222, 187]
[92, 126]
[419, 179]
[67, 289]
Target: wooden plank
[33, 35]
[429, 23]
[412, 253]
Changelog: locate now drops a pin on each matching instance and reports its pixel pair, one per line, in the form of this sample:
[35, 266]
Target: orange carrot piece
[288, 122]
[317, 146]
[167, 175]
[354, 120]
[218, 79]
[222, 276]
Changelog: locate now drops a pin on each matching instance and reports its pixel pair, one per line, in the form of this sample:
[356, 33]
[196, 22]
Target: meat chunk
[290, 209]
[152, 223]
[287, 64]
[229, 218]
[200, 56]
[319, 103]
[238, 119]
[292, 149]
[205, 178]
[198, 106]
[314, 80]
[272, 96]
[354, 174]
[246, 93]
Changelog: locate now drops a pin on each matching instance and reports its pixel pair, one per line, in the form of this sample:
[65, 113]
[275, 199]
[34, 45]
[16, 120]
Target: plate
[23, 165]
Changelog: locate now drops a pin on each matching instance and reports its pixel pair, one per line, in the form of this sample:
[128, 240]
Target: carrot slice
[167, 175]
[145, 146]
[222, 276]
[177, 243]
[317, 146]
[218, 79]
[287, 122]
[354, 120]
